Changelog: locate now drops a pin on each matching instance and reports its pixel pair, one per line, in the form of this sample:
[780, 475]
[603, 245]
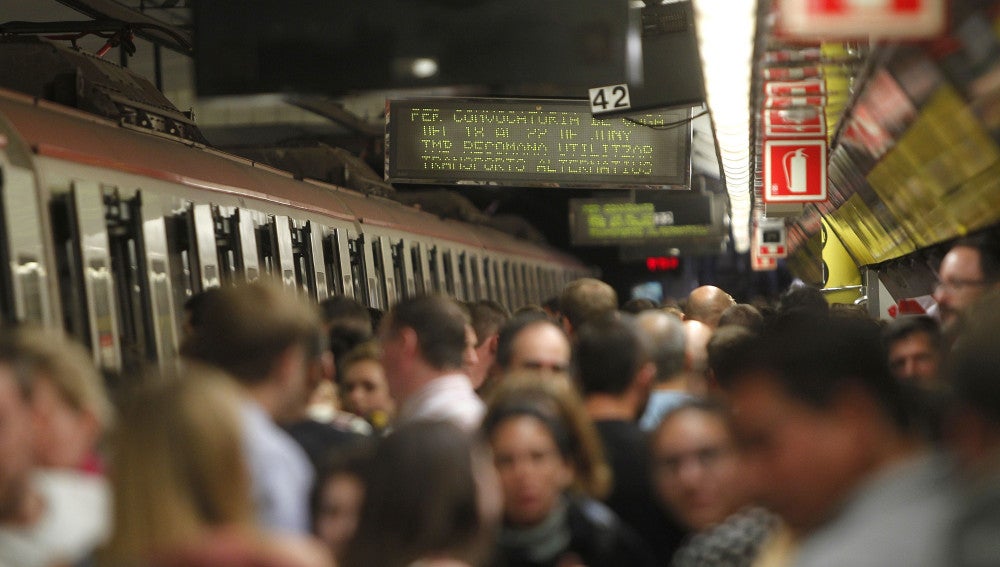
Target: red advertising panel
[794, 171]
[859, 19]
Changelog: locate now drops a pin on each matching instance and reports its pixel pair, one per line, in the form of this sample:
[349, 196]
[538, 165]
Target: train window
[337, 250]
[402, 266]
[436, 265]
[266, 247]
[449, 272]
[466, 292]
[418, 261]
[373, 261]
[385, 259]
[478, 286]
[356, 246]
[128, 270]
[312, 235]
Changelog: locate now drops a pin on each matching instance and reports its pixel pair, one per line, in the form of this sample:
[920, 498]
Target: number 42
[609, 99]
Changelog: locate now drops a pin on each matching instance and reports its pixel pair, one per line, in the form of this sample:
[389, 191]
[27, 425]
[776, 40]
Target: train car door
[364, 269]
[337, 246]
[478, 277]
[248, 259]
[160, 297]
[438, 267]
[25, 297]
[451, 273]
[91, 258]
[312, 236]
[382, 255]
[284, 251]
[205, 264]
[402, 261]
[533, 287]
[500, 272]
[421, 266]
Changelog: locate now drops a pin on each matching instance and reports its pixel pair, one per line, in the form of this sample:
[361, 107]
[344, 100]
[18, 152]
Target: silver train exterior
[107, 229]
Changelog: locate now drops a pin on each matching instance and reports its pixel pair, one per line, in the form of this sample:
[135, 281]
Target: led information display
[534, 143]
[661, 218]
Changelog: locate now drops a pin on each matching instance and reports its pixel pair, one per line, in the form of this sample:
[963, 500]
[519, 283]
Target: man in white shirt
[422, 343]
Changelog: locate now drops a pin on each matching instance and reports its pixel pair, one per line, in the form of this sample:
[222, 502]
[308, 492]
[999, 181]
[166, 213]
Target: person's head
[637, 305]
[743, 315]
[915, 349]
[543, 445]
[422, 337]
[337, 497]
[973, 371]
[364, 390]
[696, 336]
[665, 333]
[706, 304]
[585, 299]
[487, 319]
[194, 309]
[803, 299]
[69, 404]
[968, 270]
[695, 466]
[816, 413]
[612, 357]
[532, 342]
[430, 493]
[269, 339]
[348, 325]
[178, 467]
[725, 350]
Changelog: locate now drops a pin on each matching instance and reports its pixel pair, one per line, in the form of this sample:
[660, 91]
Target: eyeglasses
[705, 457]
[956, 286]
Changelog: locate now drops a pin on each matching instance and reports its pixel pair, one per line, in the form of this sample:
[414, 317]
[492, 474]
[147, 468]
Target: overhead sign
[534, 143]
[770, 238]
[794, 171]
[660, 218]
[859, 19]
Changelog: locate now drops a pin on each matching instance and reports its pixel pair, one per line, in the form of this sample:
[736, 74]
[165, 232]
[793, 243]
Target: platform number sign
[612, 98]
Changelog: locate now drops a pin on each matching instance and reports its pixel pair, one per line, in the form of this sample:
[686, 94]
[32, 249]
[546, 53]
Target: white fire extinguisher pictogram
[796, 178]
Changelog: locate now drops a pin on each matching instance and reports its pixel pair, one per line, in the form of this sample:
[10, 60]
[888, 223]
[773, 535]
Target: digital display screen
[661, 218]
[534, 143]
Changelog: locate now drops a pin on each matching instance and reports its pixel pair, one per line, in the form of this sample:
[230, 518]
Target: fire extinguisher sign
[794, 171]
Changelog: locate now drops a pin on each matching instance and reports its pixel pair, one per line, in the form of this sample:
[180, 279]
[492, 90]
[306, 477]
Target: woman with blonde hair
[552, 470]
[180, 482]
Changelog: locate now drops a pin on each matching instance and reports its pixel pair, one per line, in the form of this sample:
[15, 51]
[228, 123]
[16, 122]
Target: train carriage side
[109, 231]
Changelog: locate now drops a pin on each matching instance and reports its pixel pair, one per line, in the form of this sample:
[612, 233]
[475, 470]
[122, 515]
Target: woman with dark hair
[431, 501]
[552, 469]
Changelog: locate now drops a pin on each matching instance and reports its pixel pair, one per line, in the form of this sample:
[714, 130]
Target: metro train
[107, 229]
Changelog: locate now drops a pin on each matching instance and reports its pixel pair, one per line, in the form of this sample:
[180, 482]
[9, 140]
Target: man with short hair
[915, 349]
[423, 339]
[611, 361]
[706, 304]
[273, 344]
[968, 270]
[583, 300]
[487, 319]
[825, 437]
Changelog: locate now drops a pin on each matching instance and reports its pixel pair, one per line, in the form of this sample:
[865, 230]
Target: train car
[108, 227]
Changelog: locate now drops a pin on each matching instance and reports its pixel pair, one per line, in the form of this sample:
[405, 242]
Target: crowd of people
[579, 433]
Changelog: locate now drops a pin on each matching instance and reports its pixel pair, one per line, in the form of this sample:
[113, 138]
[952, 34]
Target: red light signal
[662, 263]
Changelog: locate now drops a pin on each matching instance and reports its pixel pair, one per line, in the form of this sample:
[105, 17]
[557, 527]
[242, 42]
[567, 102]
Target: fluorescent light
[726, 30]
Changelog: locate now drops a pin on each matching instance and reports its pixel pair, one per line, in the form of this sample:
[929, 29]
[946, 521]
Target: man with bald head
[532, 342]
[585, 299]
[706, 304]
